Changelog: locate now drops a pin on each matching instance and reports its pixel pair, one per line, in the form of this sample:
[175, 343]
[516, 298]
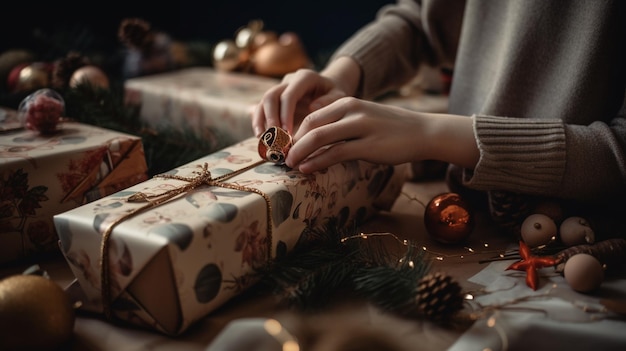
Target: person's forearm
[345, 72]
[452, 140]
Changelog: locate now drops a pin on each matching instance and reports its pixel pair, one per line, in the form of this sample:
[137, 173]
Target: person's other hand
[297, 95]
[354, 129]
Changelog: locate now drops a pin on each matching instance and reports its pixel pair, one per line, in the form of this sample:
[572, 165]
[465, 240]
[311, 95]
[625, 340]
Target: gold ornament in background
[277, 58]
[91, 75]
[245, 36]
[11, 59]
[31, 77]
[227, 56]
[35, 314]
[260, 52]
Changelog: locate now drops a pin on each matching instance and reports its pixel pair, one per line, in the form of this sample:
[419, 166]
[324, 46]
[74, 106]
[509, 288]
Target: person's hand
[304, 91]
[354, 129]
[297, 95]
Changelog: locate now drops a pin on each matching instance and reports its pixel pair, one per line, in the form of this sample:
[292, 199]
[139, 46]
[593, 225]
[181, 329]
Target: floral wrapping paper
[176, 262]
[213, 105]
[41, 176]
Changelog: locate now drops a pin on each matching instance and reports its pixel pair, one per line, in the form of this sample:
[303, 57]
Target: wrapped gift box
[168, 262]
[41, 176]
[210, 104]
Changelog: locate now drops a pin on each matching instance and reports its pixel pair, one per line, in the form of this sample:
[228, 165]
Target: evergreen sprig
[164, 149]
[342, 263]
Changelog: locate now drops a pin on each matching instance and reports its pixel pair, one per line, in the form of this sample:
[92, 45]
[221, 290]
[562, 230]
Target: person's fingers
[325, 100]
[321, 129]
[258, 119]
[336, 153]
[301, 83]
[268, 116]
[326, 115]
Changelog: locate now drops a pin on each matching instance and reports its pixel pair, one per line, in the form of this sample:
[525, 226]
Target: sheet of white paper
[554, 317]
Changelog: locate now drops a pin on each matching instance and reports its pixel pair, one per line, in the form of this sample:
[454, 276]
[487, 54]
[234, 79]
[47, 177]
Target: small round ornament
[29, 77]
[448, 218]
[91, 75]
[263, 38]
[244, 37]
[42, 110]
[575, 231]
[35, 314]
[583, 272]
[227, 56]
[537, 230]
[11, 59]
[277, 58]
[274, 144]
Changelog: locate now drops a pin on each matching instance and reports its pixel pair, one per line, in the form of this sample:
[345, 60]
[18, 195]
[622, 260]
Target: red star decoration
[530, 264]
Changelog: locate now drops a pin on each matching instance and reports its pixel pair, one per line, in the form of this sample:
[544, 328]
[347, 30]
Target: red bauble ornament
[448, 218]
[42, 110]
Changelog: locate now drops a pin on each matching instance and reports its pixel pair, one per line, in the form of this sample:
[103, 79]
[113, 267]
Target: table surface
[404, 221]
[352, 320]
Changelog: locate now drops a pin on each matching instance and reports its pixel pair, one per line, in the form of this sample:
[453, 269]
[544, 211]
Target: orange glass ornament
[448, 218]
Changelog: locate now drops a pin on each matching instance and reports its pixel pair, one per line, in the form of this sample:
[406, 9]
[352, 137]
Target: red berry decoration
[42, 110]
[448, 218]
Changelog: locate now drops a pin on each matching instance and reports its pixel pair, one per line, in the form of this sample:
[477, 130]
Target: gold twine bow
[203, 178]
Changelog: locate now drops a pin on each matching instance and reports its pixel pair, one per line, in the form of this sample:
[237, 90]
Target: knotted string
[203, 178]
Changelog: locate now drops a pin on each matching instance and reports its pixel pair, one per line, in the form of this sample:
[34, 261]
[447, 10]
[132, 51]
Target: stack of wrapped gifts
[43, 175]
[210, 104]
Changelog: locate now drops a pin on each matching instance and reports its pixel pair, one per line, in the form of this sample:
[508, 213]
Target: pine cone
[65, 67]
[136, 33]
[438, 297]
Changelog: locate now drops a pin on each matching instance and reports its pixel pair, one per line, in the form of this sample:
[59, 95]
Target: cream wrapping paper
[176, 262]
[213, 105]
[41, 176]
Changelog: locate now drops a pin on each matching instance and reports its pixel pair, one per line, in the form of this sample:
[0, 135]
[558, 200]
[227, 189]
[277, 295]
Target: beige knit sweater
[544, 79]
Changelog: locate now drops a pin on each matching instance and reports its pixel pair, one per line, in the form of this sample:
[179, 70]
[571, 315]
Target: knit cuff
[518, 154]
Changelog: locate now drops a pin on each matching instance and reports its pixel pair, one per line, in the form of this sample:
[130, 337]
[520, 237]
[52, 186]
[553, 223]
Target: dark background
[51, 28]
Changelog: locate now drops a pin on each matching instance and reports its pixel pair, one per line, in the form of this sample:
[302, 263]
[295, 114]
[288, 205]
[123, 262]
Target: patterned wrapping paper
[178, 261]
[41, 176]
[212, 105]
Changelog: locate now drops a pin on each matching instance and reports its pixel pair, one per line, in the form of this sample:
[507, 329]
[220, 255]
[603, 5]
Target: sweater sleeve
[403, 36]
[551, 158]
[509, 154]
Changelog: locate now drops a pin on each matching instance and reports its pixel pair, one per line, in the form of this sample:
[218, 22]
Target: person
[536, 105]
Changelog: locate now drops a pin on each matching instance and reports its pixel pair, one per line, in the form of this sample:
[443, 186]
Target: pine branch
[164, 150]
[339, 262]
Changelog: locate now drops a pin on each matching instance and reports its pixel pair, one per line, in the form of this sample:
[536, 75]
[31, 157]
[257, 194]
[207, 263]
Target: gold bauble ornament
[35, 314]
[91, 75]
[31, 77]
[448, 218]
[277, 58]
[245, 36]
[227, 56]
[11, 59]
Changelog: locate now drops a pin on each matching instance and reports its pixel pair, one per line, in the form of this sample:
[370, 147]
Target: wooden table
[92, 332]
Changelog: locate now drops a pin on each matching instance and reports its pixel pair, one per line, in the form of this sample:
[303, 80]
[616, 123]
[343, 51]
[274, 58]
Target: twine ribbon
[203, 178]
